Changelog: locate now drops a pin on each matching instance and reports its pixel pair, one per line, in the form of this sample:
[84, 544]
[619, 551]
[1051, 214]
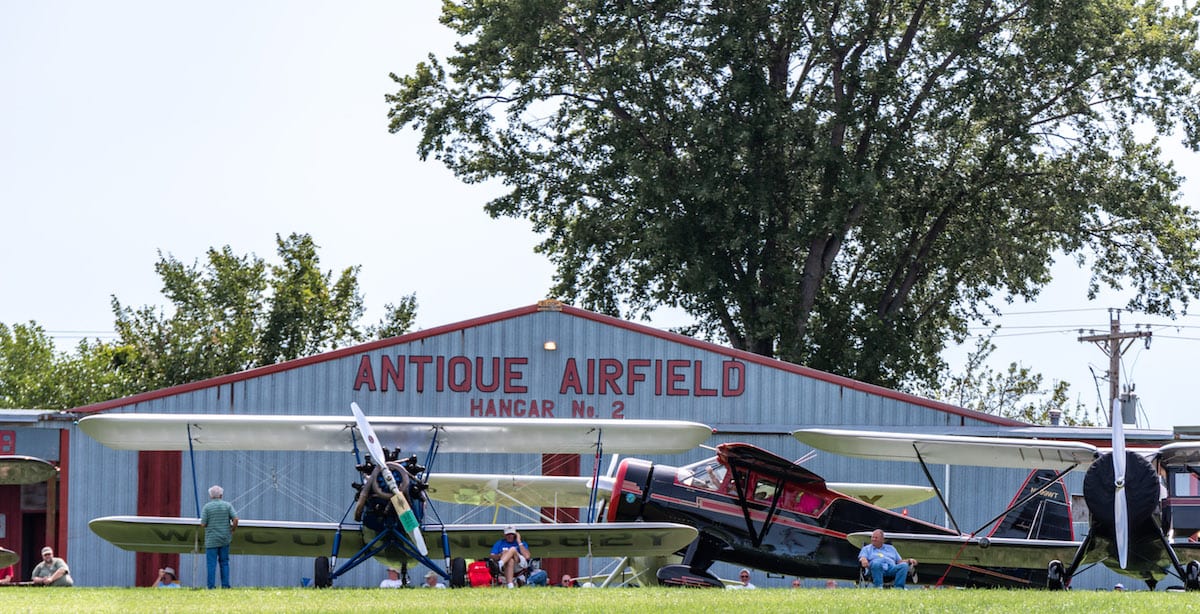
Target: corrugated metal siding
[315, 486]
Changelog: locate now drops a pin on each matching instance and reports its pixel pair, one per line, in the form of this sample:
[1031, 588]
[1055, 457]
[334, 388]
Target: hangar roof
[566, 310]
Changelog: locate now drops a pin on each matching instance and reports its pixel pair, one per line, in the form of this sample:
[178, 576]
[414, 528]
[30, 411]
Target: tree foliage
[839, 184]
[35, 375]
[237, 312]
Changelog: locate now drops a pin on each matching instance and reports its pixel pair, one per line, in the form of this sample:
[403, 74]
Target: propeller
[407, 519]
[1120, 503]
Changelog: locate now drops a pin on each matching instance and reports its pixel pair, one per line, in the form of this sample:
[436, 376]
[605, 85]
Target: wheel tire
[1192, 579]
[1056, 576]
[321, 573]
[458, 572]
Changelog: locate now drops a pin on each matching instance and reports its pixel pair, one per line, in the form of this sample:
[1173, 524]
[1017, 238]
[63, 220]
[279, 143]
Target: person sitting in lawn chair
[511, 555]
[883, 562]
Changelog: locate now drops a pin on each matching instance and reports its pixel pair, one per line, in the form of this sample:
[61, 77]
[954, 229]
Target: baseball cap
[170, 570]
[47, 550]
[510, 529]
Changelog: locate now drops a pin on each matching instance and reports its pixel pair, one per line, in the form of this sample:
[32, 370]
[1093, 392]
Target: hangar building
[543, 361]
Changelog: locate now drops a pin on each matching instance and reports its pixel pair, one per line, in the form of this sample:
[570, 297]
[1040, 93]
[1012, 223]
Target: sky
[133, 128]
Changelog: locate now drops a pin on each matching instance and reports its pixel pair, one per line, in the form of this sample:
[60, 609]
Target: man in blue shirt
[511, 554]
[883, 561]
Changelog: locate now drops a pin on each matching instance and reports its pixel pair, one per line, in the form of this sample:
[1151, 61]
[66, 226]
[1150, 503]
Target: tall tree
[840, 184]
[308, 313]
[237, 312]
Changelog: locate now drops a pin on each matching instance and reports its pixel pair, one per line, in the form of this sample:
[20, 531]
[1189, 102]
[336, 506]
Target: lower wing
[979, 551]
[282, 538]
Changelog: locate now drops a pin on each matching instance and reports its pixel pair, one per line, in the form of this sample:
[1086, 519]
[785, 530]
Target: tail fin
[1045, 516]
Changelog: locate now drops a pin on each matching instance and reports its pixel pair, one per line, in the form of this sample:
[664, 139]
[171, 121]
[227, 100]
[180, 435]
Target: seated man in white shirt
[392, 580]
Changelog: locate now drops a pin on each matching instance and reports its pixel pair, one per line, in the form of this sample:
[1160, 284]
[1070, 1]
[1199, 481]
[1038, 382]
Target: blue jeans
[214, 555]
[899, 571]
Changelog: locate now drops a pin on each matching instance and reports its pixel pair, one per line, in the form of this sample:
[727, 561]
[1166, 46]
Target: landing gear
[1191, 579]
[321, 573]
[458, 572]
[1056, 576]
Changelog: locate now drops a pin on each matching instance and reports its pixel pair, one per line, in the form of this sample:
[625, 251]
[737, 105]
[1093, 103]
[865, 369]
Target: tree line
[226, 314]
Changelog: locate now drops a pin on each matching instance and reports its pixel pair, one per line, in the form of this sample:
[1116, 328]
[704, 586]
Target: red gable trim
[642, 329]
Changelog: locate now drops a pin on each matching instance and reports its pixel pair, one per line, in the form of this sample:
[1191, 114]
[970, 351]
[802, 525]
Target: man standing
[52, 571]
[883, 561]
[511, 554]
[219, 520]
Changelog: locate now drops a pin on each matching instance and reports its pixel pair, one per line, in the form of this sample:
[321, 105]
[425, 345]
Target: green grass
[622, 601]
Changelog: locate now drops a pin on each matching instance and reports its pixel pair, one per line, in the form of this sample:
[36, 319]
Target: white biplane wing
[514, 490]
[16, 470]
[1180, 453]
[950, 449]
[313, 539]
[333, 433]
[890, 496]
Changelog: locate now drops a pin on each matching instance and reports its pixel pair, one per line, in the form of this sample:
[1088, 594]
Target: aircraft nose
[1141, 487]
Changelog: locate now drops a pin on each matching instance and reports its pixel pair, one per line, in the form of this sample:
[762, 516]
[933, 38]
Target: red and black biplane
[759, 510]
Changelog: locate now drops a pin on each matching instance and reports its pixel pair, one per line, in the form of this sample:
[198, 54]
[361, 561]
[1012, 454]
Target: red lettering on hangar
[592, 376]
[456, 374]
[670, 377]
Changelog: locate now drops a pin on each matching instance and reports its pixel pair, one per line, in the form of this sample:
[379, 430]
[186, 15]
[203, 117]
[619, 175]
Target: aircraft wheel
[1056, 576]
[1192, 580]
[321, 573]
[458, 572]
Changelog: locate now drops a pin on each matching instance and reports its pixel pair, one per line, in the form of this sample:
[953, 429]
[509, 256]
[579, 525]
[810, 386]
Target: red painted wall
[158, 495]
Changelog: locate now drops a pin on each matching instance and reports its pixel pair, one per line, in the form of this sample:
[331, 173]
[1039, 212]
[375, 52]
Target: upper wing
[311, 539]
[981, 551]
[510, 490]
[334, 433]
[1180, 453]
[951, 449]
[8, 557]
[889, 496]
[24, 470]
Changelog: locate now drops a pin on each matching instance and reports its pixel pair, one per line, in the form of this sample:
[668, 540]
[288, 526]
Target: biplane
[755, 509]
[15, 471]
[1122, 489]
[390, 521]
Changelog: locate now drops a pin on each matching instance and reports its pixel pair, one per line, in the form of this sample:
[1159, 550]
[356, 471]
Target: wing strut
[595, 475]
[929, 477]
[742, 494]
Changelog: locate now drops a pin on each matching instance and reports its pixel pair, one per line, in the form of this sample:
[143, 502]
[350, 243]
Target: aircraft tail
[1046, 515]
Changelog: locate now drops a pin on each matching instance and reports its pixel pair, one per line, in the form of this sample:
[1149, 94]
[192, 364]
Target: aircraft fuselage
[787, 524]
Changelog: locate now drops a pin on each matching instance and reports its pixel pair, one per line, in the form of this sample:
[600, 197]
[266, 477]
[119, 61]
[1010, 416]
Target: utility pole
[1114, 345]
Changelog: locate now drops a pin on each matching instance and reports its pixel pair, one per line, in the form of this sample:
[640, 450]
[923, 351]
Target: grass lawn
[600, 601]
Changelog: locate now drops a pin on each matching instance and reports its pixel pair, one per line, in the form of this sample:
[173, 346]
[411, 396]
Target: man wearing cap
[52, 571]
[431, 580]
[167, 578]
[392, 580]
[511, 554]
